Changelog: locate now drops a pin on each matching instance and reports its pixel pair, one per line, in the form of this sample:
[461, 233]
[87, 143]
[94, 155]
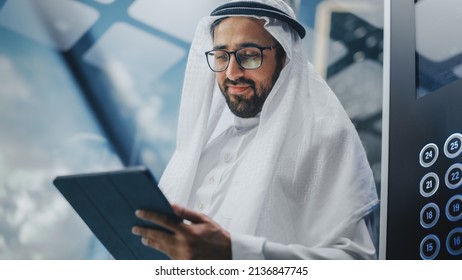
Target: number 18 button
[429, 215]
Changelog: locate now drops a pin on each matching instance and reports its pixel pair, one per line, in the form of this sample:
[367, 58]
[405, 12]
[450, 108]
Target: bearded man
[288, 178]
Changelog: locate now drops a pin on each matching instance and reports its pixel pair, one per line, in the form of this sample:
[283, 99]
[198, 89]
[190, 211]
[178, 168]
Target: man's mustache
[241, 81]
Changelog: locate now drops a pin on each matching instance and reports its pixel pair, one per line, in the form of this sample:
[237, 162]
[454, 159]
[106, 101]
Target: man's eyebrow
[242, 45]
[250, 44]
[219, 47]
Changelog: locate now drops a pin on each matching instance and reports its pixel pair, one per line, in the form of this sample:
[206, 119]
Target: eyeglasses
[247, 58]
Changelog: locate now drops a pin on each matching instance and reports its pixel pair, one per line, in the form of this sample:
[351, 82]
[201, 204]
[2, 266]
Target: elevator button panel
[441, 192]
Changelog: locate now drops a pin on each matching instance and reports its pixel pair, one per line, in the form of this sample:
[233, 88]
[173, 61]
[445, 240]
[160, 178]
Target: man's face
[246, 90]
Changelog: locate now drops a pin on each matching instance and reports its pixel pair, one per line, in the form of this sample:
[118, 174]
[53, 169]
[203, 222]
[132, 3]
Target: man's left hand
[202, 238]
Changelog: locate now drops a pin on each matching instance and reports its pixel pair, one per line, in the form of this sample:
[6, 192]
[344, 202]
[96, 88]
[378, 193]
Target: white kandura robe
[302, 187]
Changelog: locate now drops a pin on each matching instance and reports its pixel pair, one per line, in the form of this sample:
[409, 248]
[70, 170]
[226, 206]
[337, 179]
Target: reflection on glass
[58, 24]
[438, 44]
[46, 131]
[105, 1]
[177, 18]
[135, 60]
[145, 74]
[130, 57]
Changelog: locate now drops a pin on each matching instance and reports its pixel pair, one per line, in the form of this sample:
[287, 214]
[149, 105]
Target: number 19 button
[454, 208]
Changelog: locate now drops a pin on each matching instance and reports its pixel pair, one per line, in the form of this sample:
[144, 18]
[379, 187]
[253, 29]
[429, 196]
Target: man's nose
[234, 70]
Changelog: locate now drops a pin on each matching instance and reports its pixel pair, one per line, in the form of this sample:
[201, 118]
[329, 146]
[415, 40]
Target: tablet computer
[106, 201]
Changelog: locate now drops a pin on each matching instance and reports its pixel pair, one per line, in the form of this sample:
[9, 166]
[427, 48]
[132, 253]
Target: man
[288, 179]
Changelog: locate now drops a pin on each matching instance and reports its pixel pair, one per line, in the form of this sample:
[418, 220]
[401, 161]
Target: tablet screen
[107, 201]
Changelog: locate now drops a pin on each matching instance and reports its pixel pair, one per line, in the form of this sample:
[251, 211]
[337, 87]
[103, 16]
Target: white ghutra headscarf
[305, 179]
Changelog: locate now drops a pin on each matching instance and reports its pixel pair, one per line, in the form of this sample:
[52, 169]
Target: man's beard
[248, 108]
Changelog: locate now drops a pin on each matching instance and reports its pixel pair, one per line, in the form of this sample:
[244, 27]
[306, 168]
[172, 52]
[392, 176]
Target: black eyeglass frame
[237, 59]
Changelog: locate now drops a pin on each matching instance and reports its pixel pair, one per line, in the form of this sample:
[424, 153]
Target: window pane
[438, 44]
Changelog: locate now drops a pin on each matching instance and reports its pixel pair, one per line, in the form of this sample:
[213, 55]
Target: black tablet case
[107, 201]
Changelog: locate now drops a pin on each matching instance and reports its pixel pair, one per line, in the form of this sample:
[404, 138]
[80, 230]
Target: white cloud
[106, 2]
[458, 70]
[144, 57]
[37, 222]
[150, 122]
[55, 231]
[14, 86]
[124, 84]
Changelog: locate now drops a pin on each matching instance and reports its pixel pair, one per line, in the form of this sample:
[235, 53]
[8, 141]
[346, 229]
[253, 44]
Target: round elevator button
[428, 155]
[429, 247]
[429, 215]
[429, 184]
[454, 208]
[454, 242]
[453, 145]
[453, 177]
